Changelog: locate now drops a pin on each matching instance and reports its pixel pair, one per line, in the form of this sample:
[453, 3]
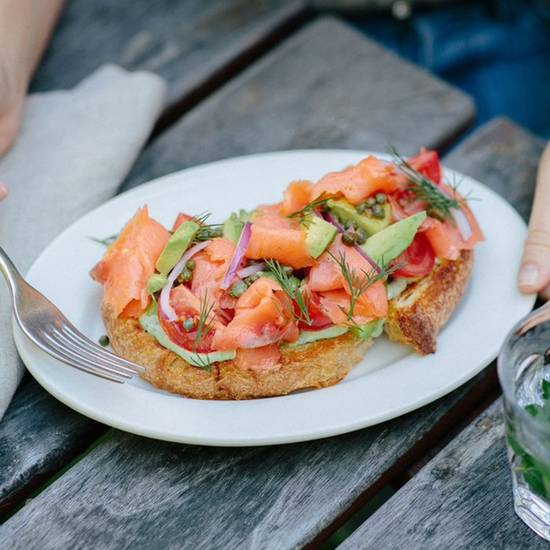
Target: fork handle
[12, 276]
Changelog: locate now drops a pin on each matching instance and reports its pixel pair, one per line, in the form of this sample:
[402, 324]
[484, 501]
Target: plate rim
[73, 402]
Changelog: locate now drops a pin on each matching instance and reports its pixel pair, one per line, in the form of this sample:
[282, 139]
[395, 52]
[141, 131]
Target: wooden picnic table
[246, 77]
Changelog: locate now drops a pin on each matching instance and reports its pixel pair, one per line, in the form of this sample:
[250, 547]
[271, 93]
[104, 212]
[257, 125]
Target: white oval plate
[389, 382]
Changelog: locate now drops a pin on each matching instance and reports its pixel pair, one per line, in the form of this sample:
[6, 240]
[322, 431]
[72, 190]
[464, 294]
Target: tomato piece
[181, 217]
[417, 260]
[176, 333]
[427, 163]
[318, 318]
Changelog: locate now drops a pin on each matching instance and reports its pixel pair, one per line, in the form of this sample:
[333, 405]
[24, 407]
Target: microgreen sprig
[424, 189]
[204, 327]
[358, 284]
[304, 213]
[107, 241]
[291, 289]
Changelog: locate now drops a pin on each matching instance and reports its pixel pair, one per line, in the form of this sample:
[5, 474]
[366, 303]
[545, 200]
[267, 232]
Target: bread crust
[315, 365]
[416, 317]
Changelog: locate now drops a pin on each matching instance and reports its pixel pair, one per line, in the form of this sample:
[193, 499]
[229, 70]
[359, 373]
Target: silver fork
[52, 332]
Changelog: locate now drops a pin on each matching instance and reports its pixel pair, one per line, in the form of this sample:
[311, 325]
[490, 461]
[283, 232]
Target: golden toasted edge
[314, 365]
[416, 317]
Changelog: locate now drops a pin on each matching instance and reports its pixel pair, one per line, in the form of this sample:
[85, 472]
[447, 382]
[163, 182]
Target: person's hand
[12, 97]
[534, 274]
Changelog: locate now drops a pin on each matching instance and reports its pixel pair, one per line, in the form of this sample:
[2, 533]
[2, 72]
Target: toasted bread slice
[415, 318]
[314, 365]
[417, 315]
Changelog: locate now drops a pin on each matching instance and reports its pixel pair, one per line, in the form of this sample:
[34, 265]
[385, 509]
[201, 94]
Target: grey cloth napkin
[74, 149]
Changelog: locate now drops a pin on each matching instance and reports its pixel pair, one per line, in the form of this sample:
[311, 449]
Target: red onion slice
[341, 229]
[238, 255]
[250, 270]
[458, 216]
[164, 299]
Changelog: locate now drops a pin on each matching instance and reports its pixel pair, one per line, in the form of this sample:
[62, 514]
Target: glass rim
[505, 372]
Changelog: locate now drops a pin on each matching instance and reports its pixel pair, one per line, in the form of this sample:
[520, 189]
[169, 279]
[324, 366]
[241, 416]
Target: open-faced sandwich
[290, 295]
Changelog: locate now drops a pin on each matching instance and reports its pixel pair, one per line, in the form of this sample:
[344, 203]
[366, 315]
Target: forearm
[25, 27]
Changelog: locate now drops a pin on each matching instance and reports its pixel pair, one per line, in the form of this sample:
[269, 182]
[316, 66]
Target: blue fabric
[498, 52]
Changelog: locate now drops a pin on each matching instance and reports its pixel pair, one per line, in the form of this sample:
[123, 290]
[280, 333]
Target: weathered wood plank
[461, 499]
[327, 86]
[332, 117]
[130, 490]
[38, 436]
[188, 43]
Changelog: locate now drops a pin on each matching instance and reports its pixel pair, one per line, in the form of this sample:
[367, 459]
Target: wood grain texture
[185, 42]
[38, 435]
[131, 491]
[326, 86]
[461, 499]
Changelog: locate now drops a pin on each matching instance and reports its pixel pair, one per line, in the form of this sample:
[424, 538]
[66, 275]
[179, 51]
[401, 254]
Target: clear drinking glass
[524, 374]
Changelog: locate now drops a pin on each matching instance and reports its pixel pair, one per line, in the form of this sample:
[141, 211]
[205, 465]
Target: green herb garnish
[305, 213]
[439, 205]
[204, 327]
[290, 287]
[107, 241]
[358, 284]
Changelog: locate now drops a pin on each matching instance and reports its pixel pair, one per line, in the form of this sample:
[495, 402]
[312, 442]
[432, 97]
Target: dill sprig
[206, 231]
[204, 327]
[291, 289]
[304, 213]
[358, 284]
[439, 205]
[107, 241]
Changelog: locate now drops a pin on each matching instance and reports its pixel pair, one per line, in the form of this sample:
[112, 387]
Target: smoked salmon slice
[129, 263]
[278, 238]
[263, 316]
[264, 359]
[358, 182]
[296, 196]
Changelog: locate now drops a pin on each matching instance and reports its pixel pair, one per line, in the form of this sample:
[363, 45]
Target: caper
[380, 198]
[104, 340]
[287, 269]
[253, 278]
[216, 231]
[349, 238]
[185, 276]
[238, 289]
[188, 324]
[190, 265]
[371, 201]
[294, 282]
[377, 211]
[361, 236]
[348, 224]
[361, 207]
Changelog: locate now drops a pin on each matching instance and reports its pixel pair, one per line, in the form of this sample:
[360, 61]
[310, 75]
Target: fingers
[534, 273]
[3, 191]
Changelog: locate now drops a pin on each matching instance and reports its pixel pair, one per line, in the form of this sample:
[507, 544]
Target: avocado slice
[156, 282]
[308, 336]
[372, 329]
[233, 226]
[346, 212]
[386, 245]
[319, 235]
[150, 323]
[177, 244]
